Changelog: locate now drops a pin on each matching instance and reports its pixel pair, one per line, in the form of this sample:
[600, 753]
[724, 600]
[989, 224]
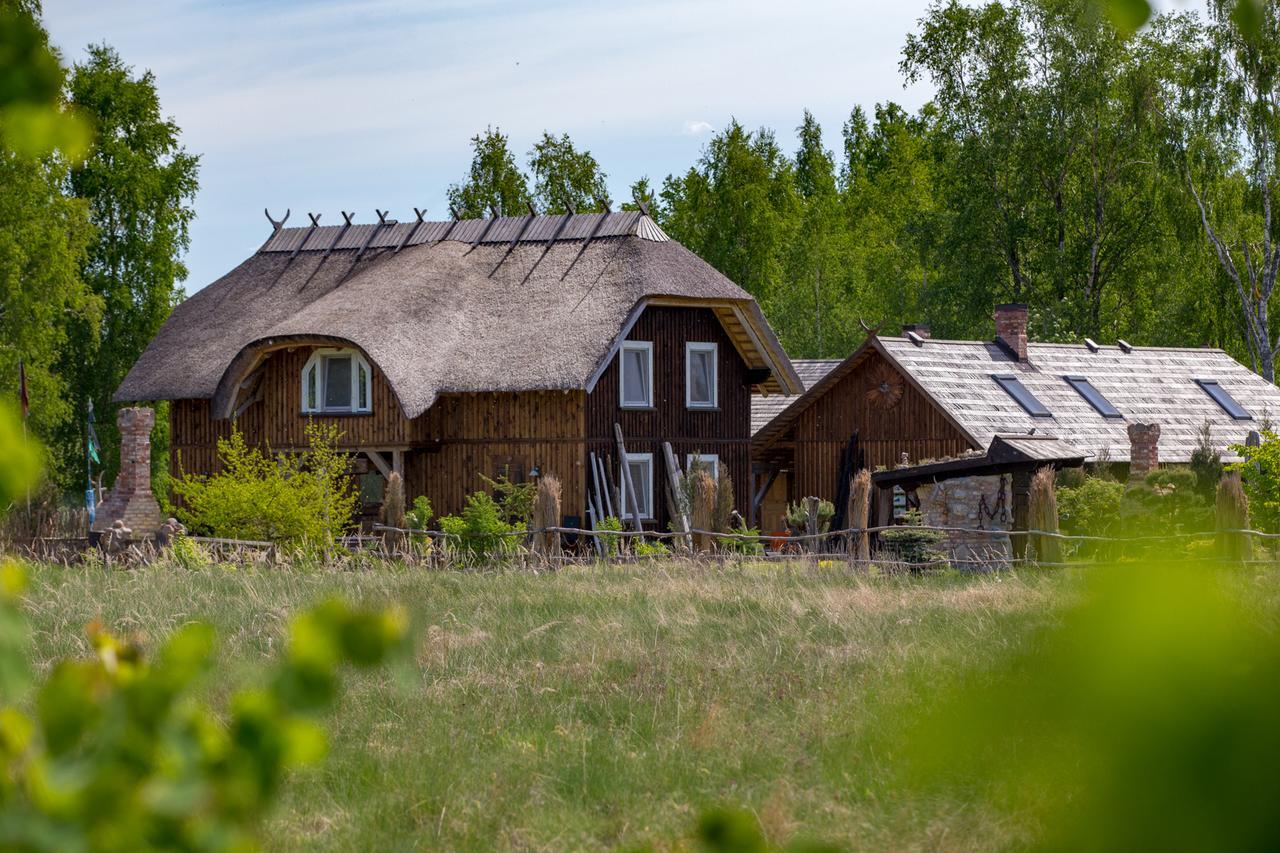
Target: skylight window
[1022, 396]
[1223, 399]
[1094, 397]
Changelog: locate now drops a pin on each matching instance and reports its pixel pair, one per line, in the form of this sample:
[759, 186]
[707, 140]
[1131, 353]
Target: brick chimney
[1144, 449]
[920, 329]
[130, 499]
[1011, 328]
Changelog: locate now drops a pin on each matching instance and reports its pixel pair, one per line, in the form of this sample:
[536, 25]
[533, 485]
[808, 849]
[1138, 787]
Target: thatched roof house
[471, 347]
[506, 304]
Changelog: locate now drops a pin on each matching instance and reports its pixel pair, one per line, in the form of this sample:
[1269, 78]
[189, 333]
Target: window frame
[359, 405]
[635, 346]
[1225, 402]
[1013, 387]
[1111, 412]
[711, 458]
[713, 348]
[647, 507]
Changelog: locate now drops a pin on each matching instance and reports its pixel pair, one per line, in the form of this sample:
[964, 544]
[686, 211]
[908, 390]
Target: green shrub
[656, 548]
[119, 752]
[514, 500]
[798, 516]
[1260, 468]
[303, 499]
[1091, 509]
[420, 515]
[612, 544]
[480, 531]
[912, 543]
[1166, 501]
[1206, 464]
[743, 546]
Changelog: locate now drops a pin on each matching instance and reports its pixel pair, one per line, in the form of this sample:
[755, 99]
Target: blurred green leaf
[1127, 16]
[1248, 16]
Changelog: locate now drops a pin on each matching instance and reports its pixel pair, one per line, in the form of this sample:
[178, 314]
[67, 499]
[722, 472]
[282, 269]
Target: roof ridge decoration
[508, 230]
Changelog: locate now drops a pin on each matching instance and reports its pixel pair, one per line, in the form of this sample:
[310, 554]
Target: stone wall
[960, 503]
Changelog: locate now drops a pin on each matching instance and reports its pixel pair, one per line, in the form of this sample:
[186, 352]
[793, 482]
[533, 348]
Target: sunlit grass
[606, 707]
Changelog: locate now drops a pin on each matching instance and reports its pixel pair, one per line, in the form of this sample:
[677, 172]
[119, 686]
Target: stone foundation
[960, 503]
[130, 499]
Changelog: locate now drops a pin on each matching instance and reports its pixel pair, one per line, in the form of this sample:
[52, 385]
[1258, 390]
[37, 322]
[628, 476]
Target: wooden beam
[246, 404]
[381, 464]
[397, 463]
[758, 499]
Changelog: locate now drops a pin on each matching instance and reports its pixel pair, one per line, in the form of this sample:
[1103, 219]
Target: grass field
[601, 707]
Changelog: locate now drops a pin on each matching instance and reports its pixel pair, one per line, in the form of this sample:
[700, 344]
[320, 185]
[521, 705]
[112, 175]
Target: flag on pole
[93, 438]
[23, 399]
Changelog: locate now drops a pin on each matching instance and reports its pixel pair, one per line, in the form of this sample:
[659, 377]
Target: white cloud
[696, 128]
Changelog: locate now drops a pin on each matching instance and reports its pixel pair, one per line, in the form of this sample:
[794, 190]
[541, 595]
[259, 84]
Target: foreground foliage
[118, 754]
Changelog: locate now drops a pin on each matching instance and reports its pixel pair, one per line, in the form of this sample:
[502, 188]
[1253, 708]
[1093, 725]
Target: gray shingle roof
[1147, 385]
[810, 370]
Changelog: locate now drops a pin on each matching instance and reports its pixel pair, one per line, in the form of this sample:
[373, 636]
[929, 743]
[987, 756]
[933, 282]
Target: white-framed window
[337, 381]
[708, 460]
[701, 388]
[641, 467]
[635, 375]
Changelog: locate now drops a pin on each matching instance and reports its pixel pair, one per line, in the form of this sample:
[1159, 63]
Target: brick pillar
[130, 499]
[1011, 328]
[1144, 449]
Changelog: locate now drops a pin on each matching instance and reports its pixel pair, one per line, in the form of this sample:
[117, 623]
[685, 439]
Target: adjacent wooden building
[900, 402]
[451, 350]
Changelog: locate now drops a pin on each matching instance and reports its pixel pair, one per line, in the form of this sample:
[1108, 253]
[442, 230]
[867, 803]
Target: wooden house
[903, 401]
[450, 350]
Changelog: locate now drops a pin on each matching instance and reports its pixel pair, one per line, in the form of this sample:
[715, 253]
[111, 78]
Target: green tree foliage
[736, 208]
[139, 183]
[308, 499]
[1260, 469]
[1051, 125]
[1226, 128]
[565, 178]
[44, 233]
[494, 182]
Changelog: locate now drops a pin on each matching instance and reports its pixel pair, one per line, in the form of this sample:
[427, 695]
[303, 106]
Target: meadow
[598, 707]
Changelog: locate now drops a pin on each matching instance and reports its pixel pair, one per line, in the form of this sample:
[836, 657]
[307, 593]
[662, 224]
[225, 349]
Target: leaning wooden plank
[674, 496]
[629, 487]
[607, 493]
[598, 506]
[595, 537]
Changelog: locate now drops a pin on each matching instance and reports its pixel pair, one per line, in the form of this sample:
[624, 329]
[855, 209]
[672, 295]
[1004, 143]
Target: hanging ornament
[884, 387]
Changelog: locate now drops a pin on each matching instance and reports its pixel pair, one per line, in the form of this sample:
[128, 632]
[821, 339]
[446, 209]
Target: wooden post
[598, 506]
[629, 486]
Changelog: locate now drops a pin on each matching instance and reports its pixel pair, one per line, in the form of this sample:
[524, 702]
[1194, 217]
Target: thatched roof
[520, 304]
[1146, 384]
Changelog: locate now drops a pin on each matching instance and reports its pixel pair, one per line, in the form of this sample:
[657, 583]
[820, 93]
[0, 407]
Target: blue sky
[342, 105]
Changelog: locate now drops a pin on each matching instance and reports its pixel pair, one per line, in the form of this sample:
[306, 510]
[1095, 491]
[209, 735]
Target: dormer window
[336, 382]
[635, 381]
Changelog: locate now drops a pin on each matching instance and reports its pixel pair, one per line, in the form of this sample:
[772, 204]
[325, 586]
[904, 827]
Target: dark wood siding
[914, 426]
[724, 432]
[446, 448]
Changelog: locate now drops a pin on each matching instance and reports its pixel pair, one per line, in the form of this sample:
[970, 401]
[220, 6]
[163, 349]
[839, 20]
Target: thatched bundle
[724, 504]
[546, 513]
[393, 510]
[859, 513]
[704, 509]
[1232, 510]
[1042, 515]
